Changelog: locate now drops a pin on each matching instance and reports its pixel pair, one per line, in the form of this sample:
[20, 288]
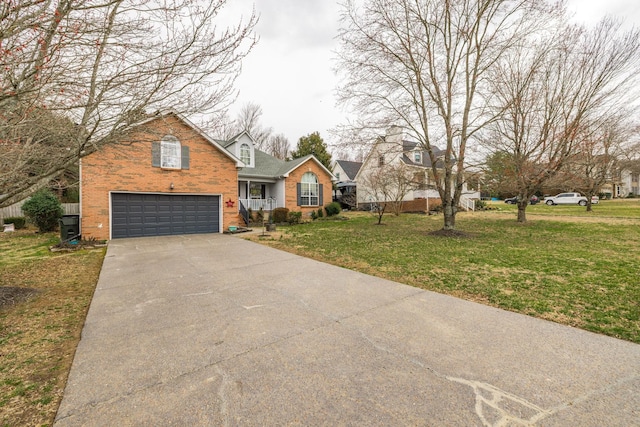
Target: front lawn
[44, 298]
[575, 270]
[617, 208]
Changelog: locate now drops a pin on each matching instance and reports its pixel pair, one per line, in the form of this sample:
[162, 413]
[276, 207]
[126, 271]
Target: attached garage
[142, 215]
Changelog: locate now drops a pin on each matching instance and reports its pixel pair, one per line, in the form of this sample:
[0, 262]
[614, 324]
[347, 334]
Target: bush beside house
[44, 210]
[19, 222]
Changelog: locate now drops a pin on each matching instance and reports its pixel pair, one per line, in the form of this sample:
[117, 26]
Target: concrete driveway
[213, 330]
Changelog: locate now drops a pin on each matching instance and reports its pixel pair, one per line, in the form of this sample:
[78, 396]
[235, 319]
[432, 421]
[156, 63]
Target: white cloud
[592, 11]
[289, 74]
[300, 24]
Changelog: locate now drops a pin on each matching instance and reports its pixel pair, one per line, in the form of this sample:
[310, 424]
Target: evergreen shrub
[44, 210]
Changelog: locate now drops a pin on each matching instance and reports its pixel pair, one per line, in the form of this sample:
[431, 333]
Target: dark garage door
[138, 215]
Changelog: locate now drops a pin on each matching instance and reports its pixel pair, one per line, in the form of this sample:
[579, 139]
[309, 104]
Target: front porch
[258, 196]
[249, 206]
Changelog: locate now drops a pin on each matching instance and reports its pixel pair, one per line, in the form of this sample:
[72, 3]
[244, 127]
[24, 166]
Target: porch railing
[244, 213]
[467, 203]
[257, 204]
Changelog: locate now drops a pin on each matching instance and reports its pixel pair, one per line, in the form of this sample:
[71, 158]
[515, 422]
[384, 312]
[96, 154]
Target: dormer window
[417, 157]
[170, 152]
[245, 154]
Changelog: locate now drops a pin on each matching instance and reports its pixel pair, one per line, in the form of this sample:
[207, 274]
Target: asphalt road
[213, 330]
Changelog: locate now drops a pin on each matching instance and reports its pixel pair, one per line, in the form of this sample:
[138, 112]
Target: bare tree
[423, 64]
[386, 186]
[95, 68]
[596, 157]
[555, 94]
[248, 120]
[278, 146]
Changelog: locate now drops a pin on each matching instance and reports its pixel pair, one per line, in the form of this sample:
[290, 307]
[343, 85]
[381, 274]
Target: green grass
[40, 329]
[23, 246]
[618, 208]
[569, 269]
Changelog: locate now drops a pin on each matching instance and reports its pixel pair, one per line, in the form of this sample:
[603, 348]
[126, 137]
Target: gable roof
[410, 146]
[161, 114]
[267, 166]
[291, 165]
[350, 168]
[405, 155]
[234, 139]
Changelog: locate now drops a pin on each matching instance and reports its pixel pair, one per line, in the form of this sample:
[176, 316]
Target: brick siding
[295, 177]
[127, 167]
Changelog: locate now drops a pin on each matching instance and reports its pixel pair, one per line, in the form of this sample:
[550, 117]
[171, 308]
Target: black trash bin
[69, 227]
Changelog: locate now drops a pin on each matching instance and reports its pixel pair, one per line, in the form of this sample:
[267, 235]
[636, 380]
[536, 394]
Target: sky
[290, 72]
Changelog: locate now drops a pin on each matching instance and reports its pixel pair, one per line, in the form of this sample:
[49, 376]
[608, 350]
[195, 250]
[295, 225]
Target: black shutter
[299, 195]
[320, 198]
[185, 157]
[155, 154]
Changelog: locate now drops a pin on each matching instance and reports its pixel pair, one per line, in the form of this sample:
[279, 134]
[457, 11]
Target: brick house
[266, 182]
[168, 177]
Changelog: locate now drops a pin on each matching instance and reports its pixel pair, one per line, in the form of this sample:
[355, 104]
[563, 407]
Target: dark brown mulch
[10, 295]
[451, 233]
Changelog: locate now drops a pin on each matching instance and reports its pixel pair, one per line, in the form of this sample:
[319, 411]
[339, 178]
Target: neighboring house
[345, 172]
[624, 180]
[629, 182]
[170, 178]
[393, 150]
[266, 182]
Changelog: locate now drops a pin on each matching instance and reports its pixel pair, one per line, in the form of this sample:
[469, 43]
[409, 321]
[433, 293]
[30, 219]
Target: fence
[16, 209]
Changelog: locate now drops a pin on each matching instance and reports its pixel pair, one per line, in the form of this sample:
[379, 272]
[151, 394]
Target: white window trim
[248, 153]
[170, 153]
[309, 190]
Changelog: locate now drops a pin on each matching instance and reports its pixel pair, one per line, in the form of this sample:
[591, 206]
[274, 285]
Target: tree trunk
[380, 212]
[522, 210]
[449, 217]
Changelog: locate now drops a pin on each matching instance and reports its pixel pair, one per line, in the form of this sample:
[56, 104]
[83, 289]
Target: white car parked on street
[566, 199]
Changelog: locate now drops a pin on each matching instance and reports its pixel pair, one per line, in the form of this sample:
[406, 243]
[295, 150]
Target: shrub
[333, 208]
[481, 205]
[260, 216]
[44, 210]
[280, 215]
[294, 217]
[314, 215]
[320, 212]
[19, 222]
[437, 208]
